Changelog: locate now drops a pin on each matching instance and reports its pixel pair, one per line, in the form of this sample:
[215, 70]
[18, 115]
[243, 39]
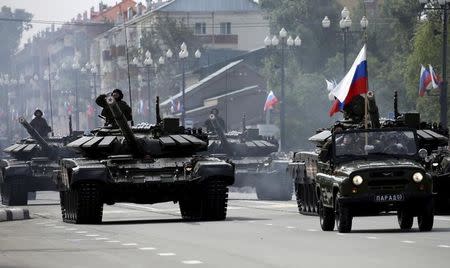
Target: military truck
[32, 166]
[257, 161]
[144, 164]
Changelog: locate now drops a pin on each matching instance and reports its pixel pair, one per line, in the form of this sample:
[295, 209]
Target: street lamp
[76, 68]
[289, 42]
[148, 63]
[183, 55]
[441, 6]
[345, 24]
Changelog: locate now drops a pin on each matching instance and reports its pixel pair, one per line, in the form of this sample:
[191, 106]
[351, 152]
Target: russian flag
[271, 101]
[435, 79]
[354, 83]
[425, 81]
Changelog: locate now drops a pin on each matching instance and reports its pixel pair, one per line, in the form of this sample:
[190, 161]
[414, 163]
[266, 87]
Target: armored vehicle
[257, 162]
[367, 172]
[145, 164]
[32, 165]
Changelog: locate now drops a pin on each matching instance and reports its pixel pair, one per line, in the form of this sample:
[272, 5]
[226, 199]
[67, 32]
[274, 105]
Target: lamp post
[443, 7]
[183, 55]
[283, 41]
[345, 24]
[76, 68]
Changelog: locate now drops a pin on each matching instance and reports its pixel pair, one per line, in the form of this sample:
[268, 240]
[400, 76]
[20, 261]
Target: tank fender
[206, 169]
[75, 171]
[14, 169]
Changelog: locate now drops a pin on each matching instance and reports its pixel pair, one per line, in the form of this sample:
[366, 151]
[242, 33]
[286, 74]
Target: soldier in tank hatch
[219, 121]
[40, 124]
[106, 112]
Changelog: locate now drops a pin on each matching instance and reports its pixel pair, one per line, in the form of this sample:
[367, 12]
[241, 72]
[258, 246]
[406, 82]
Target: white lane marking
[251, 221]
[50, 225]
[166, 254]
[269, 224]
[235, 208]
[442, 218]
[311, 230]
[100, 238]
[41, 223]
[71, 229]
[192, 262]
[92, 235]
[290, 227]
[129, 244]
[340, 234]
[59, 227]
[147, 248]
[112, 241]
[81, 232]
[372, 237]
[443, 246]
[408, 242]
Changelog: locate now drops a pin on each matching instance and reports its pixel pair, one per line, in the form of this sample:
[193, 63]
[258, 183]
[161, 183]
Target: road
[255, 234]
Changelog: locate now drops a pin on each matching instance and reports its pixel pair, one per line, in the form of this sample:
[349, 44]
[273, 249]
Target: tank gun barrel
[33, 133]
[121, 121]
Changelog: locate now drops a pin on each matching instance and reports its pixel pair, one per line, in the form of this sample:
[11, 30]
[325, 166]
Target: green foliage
[12, 25]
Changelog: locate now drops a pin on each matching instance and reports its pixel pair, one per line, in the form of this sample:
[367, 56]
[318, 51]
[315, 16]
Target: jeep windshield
[365, 144]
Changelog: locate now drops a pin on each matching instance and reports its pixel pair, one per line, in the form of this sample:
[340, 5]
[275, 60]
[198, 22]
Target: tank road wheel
[82, 204]
[343, 216]
[426, 217]
[207, 202]
[326, 216]
[299, 195]
[405, 219]
[14, 192]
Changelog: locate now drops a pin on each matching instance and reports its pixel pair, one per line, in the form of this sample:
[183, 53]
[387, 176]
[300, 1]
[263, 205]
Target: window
[225, 28]
[200, 28]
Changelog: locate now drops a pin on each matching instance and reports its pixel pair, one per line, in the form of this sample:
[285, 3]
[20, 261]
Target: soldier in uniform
[40, 124]
[219, 121]
[106, 112]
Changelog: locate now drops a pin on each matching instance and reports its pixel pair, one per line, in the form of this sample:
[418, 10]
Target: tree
[12, 25]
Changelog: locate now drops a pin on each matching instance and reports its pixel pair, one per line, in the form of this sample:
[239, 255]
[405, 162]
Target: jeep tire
[326, 216]
[343, 216]
[405, 219]
[425, 218]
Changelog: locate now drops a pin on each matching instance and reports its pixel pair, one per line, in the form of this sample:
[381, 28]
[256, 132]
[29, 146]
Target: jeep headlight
[417, 177]
[357, 180]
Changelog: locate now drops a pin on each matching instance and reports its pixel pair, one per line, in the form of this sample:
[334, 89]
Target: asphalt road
[255, 234]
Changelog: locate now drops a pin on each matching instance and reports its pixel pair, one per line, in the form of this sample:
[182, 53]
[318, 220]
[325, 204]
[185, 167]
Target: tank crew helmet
[119, 94]
[38, 113]
[215, 111]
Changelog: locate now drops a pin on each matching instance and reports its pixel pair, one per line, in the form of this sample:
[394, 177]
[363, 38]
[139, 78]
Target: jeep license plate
[389, 197]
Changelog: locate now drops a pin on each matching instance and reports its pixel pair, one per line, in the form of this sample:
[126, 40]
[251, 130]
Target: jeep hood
[349, 167]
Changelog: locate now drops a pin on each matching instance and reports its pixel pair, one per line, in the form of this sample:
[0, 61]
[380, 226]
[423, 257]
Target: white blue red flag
[435, 79]
[172, 105]
[425, 81]
[354, 83]
[271, 101]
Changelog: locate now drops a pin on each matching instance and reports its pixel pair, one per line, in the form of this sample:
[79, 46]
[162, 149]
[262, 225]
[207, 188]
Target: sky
[53, 10]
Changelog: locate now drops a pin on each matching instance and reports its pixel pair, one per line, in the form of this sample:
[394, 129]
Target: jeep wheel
[326, 216]
[343, 216]
[82, 204]
[206, 202]
[426, 217]
[14, 192]
[405, 219]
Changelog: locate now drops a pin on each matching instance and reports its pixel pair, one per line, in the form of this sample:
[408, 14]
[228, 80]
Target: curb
[13, 214]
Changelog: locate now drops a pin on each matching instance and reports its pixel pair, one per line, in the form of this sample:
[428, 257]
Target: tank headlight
[357, 180]
[417, 177]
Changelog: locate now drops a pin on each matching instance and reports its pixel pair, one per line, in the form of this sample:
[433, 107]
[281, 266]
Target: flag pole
[366, 101]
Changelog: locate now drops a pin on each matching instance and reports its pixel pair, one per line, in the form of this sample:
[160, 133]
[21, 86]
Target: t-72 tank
[32, 165]
[145, 164]
[257, 162]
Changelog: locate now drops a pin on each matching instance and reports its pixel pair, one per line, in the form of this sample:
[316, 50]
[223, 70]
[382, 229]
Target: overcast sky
[53, 10]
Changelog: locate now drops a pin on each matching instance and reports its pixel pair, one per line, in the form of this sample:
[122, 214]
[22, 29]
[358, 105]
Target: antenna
[158, 115]
[396, 113]
[50, 93]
